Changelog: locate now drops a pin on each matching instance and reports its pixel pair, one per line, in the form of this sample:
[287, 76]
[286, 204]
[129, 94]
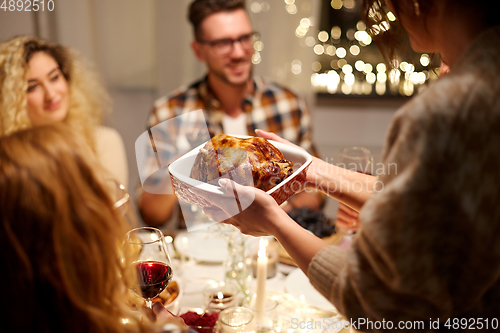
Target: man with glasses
[233, 100]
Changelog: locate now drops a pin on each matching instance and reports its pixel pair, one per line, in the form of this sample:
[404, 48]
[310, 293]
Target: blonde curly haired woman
[59, 235]
[43, 82]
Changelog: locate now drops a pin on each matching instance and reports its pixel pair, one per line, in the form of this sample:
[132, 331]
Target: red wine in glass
[153, 277]
[145, 250]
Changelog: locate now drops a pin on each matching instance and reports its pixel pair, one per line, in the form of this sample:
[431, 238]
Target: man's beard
[224, 78]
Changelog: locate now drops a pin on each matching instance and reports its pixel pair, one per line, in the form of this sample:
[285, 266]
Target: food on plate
[167, 296]
[253, 161]
[200, 322]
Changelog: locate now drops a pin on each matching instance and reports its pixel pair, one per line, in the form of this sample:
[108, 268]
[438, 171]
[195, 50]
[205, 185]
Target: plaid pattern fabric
[271, 108]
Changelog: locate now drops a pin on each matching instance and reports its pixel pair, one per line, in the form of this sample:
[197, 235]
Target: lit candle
[272, 260]
[261, 281]
[221, 300]
[220, 295]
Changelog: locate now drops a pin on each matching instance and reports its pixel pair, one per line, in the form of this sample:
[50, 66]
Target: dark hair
[200, 9]
[56, 51]
[395, 42]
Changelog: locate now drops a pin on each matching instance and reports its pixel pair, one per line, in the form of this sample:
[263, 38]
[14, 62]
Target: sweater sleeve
[426, 241]
[428, 244]
[390, 270]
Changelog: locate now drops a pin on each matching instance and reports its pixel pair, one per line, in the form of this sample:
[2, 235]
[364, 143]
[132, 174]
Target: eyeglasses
[226, 45]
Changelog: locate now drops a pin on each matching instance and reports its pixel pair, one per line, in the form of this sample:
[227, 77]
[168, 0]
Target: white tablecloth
[193, 277]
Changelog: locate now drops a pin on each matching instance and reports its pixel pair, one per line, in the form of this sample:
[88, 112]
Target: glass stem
[149, 303]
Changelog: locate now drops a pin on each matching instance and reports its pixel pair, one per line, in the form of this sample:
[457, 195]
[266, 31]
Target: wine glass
[195, 128]
[121, 199]
[145, 248]
[357, 159]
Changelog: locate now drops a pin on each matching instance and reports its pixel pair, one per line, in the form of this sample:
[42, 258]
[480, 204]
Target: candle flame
[220, 295]
[262, 248]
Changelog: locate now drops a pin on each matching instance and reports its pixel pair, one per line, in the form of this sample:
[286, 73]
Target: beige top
[111, 153]
[429, 245]
[235, 126]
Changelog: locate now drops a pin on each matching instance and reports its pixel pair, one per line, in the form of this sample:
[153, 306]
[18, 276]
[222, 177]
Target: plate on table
[202, 246]
[180, 174]
[297, 284]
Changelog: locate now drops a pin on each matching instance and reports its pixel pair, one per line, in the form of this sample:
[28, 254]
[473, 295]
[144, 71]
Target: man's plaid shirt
[270, 107]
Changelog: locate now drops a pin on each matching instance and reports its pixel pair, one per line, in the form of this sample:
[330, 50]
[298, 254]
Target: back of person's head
[394, 43]
[60, 237]
[88, 98]
[200, 9]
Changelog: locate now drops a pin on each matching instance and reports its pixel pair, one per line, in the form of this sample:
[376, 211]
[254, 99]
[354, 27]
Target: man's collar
[208, 97]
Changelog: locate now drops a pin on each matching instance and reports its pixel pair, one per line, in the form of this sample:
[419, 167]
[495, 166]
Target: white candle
[261, 281]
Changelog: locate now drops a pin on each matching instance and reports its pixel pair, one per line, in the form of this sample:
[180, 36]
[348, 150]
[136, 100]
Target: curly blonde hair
[88, 97]
[60, 237]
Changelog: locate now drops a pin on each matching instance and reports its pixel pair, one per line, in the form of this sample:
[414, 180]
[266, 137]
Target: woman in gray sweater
[428, 246]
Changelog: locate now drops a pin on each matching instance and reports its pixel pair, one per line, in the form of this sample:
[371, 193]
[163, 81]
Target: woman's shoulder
[107, 140]
[459, 93]
[111, 152]
[106, 132]
[108, 136]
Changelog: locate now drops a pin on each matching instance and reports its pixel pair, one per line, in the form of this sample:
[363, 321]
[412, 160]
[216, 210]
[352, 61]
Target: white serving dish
[180, 171]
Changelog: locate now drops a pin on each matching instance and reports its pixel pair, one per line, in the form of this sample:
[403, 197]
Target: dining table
[198, 261]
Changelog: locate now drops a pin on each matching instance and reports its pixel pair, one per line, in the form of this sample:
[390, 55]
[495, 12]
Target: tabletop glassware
[357, 159]
[235, 319]
[146, 250]
[237, 266]
[220, 295]
[121, 199]
[265, 319]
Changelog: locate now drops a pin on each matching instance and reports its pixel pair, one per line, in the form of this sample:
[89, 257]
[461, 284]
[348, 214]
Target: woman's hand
[249, 209]
[158, 314]
[274, 137]
[350, 187]
[316, 166]
[347, 218]
[256, 213]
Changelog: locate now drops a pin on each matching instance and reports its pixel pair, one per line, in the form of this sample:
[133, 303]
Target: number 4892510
[471, 323]
[27, 5]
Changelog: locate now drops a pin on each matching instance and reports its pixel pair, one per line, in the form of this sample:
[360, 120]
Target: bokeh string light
[351, 64]
[347, 61]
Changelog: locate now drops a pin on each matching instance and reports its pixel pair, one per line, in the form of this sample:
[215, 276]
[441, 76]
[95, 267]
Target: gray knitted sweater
[429, 243]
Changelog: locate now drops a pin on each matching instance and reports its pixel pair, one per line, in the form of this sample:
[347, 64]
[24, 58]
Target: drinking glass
[218, 296]
[265, 319]
[235, 319]
[145, 249]
[121, 199]
[357, 159]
